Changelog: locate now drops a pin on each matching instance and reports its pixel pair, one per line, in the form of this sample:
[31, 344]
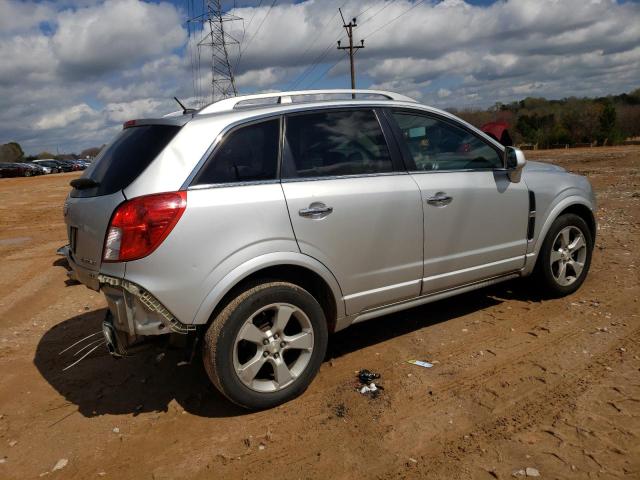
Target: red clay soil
[518, 381]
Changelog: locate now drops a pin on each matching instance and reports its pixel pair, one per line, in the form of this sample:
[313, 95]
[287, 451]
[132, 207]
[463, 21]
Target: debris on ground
[365, 376]
[420, 363]
[60, 464]
[369, 388]
[526, 472]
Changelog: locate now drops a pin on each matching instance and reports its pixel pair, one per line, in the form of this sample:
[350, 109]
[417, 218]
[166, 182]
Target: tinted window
[129, 154]
[247, 154]
[438, 145]
[334, 143]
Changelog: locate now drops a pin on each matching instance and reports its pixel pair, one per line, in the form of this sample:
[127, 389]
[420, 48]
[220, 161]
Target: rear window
[125, 158]
[334, 143]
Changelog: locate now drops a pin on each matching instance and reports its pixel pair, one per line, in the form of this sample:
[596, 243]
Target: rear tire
[266, 346]
[565, 256]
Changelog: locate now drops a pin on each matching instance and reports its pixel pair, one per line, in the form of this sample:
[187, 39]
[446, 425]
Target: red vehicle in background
[499, 131]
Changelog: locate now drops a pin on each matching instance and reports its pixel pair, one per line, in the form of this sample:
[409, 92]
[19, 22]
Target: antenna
[217, 38]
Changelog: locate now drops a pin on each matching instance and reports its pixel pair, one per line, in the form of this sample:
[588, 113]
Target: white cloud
[71, 71]
[115, 34]
[121, 112]
[65, 117]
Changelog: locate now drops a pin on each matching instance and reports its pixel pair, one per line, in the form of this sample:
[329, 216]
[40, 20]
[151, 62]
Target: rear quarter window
[125, 158]
[247, 154]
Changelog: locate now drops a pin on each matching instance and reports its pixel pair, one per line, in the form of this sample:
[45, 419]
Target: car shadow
[150, 380]
[362, 335]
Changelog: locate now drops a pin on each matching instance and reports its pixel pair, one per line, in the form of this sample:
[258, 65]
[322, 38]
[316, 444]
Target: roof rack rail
[231, 103]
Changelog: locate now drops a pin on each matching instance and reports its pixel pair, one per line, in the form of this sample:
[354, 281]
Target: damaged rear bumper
[137, 311]
[134, 311]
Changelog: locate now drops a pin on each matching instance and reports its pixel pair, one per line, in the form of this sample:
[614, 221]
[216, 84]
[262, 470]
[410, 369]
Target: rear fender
[259, 263]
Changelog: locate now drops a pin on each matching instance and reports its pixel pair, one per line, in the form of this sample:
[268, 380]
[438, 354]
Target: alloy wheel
[568, 255]
[273, 347]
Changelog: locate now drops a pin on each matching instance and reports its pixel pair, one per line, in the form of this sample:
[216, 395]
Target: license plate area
[73, 238]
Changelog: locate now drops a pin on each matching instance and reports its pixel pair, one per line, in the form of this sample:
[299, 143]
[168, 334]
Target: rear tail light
[139, 226]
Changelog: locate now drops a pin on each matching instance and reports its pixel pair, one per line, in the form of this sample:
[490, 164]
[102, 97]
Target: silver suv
[258, 225]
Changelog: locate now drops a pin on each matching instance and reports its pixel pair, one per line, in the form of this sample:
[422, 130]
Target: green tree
[11, 152]
[607, 120]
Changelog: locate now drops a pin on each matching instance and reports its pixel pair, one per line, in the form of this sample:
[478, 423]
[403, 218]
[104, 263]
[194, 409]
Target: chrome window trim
[186, 185]
[341, 177]
[290, 180]
[493, 170]
[206, 186]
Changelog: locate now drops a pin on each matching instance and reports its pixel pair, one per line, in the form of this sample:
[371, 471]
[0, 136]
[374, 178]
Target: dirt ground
[517, 382]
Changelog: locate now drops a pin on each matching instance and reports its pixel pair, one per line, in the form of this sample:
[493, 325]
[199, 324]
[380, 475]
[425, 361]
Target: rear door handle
[440, 199]
[315, 210]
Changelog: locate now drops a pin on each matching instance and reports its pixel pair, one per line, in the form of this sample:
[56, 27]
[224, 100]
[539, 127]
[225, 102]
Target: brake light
[140, 225]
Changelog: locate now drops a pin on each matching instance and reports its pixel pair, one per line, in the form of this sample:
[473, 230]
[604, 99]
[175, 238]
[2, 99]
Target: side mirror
[514, 163]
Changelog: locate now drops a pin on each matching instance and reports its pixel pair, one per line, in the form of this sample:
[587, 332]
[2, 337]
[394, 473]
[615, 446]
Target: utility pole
[352, 49]
[223, 83]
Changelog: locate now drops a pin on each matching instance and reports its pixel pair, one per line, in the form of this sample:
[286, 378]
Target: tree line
[12, 152]
[571, 121]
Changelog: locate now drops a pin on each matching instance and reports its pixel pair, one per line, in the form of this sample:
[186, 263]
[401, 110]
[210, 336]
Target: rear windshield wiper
[83, 183]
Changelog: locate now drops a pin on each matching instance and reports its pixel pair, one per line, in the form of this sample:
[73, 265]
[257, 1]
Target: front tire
[266, 346]
[565, 256]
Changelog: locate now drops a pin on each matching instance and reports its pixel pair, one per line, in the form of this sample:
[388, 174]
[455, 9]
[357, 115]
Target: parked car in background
[80, 164]
[69, 165]
[256, 229]
[10, 169]
[54, 165]
[46, 170]
[32, 169]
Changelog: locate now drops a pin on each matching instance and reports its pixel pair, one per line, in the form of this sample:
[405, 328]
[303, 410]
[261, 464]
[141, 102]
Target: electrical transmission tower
[352, 49]
[218, 39]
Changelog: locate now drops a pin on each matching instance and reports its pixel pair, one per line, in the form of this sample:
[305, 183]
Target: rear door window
[334, 143]
[125, 158]
[247, 154]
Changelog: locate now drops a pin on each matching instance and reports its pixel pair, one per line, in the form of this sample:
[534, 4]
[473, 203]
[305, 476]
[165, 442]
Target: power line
[320, 57]
[312, 43]
[242, 50]
[301, 76]
[244, 32]
[326, 71]
[369, 35]
[386, 4]
[315, 63]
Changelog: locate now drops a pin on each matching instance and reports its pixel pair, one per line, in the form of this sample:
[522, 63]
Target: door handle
[315, 210]
[440, 199]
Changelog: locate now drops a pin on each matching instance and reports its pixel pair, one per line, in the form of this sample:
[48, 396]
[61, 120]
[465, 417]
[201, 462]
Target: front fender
[261, 262]
[568, 198]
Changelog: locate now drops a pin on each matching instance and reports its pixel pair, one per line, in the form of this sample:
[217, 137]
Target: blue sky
[71, 71]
